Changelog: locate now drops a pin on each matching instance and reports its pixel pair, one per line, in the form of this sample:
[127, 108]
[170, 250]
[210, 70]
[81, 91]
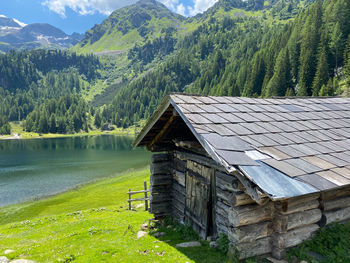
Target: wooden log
[341, 202]
[294, 207]
[333, 194]
[179, 165]
[337, 215]
[178, 197]
[223, 206]
[160, 209]
[160, 157]
[250, 214]
[182, 155]
[227, 186]
[234, 199]
[160, 188]
[251, 189]
[250, 233]
[221, 220]
[293, 237]
[305, 218]
[160, 179]
[180, 178]
[259, 247]
[222, 229]
[160, 168]
[159, 198]
[178, 203]
[227, 178]
[179, 188]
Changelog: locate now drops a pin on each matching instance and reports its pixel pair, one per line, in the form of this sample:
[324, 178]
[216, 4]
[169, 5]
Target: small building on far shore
[268, 173]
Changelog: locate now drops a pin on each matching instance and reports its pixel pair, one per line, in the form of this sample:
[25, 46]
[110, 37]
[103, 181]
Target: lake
[36, 168]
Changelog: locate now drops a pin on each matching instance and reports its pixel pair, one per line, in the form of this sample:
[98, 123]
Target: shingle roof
[305, 139]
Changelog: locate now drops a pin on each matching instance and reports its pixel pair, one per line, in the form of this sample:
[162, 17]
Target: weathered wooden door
[198, 211]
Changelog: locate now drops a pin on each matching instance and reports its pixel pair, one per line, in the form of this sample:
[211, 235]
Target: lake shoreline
[18, 133]
[76, 188]
[36, 169]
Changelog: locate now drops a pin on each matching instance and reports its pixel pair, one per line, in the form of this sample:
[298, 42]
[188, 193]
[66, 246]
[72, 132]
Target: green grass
[92, 224]
[330, 245]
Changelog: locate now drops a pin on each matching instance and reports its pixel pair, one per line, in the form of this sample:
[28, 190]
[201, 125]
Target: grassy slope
[74, 225]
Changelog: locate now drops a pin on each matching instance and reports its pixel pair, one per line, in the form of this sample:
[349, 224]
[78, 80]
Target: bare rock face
[189, 244]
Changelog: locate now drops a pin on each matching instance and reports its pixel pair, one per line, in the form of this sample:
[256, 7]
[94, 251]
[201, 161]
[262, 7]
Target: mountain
[9, 25]
[17, 35]
[236, 48]
[138, 23]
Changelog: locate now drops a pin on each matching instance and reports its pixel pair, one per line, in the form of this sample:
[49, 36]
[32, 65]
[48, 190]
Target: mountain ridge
[17, 35]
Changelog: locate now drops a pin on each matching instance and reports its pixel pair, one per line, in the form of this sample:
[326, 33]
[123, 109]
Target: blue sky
[80, 15]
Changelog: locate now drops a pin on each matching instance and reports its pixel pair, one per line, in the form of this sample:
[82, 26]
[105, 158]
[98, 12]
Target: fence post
[146, 201]
[129, 199]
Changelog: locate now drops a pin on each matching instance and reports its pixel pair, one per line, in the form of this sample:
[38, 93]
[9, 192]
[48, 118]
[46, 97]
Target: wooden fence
[145, 198]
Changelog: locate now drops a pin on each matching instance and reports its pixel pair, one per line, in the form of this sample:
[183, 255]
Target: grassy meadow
[92, 224]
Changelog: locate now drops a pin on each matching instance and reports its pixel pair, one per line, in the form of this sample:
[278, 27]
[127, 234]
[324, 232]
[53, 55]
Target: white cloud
[200, 6]
[87, 7]
[181, 9]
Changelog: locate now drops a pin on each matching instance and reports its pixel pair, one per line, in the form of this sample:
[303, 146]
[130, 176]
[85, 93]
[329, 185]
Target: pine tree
[336, 44]
[281, 79]
[322, 72]
[327, 90]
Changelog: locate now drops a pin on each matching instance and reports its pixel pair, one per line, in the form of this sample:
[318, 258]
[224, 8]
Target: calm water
[35, 168]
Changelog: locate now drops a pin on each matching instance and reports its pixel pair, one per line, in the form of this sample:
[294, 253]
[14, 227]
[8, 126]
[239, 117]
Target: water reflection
[39, 167]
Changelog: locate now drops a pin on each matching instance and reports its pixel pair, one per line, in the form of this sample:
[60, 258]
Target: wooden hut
[265, 172]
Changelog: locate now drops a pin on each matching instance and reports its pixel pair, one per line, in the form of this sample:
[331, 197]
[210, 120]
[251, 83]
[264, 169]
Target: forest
[33, 83]
[243, 56]
[291, 48]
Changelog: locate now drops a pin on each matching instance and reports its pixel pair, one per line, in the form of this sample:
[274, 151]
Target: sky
[80, 15]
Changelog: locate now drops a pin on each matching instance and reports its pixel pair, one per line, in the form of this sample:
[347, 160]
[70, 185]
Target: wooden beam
[162, 132]
[253, 191]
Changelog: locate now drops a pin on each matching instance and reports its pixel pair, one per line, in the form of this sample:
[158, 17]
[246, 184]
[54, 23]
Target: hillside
[143, 21]
[144, 51]
[238, 49]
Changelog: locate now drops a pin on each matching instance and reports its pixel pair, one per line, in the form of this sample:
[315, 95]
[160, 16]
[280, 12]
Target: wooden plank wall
[251, 228]
[295, 220]
[335, 206]
[161, 184]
